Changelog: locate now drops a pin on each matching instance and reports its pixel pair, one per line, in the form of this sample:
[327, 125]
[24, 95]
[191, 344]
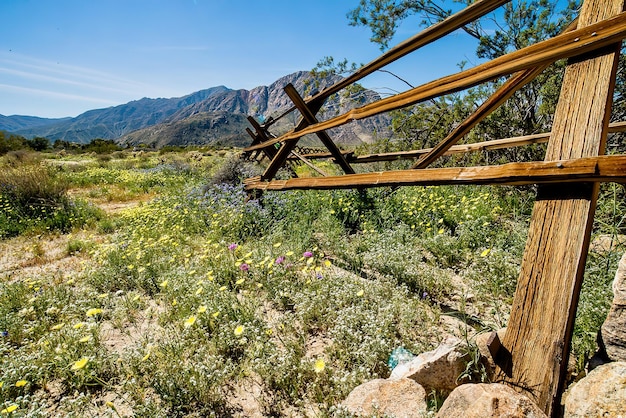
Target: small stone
[488, 400]
[602, 393]
[437, 370]
[402, 398]
[485, 353]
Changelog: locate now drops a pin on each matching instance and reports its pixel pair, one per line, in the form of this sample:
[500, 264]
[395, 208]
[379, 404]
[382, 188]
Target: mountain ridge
[216, 115]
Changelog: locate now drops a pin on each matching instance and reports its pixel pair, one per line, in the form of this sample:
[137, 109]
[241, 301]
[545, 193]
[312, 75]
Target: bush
[33, 199]
[234, 171]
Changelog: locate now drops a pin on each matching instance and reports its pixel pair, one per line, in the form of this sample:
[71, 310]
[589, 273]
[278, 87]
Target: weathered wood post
[536, 347]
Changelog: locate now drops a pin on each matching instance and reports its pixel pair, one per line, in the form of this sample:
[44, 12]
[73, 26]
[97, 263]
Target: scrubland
[150, 284]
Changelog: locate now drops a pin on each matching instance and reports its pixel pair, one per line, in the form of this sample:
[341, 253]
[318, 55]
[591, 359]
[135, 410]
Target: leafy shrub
[234, 171]
[33, 199]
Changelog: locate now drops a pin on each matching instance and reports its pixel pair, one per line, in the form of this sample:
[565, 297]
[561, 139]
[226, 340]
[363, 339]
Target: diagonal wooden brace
[285, 150]
[491, 104]
[310, 118]
[501, 95]
[260, 137]
[255, 140]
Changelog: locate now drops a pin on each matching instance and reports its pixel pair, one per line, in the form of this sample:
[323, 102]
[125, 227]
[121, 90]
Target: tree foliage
[514, 26]
[10, 142]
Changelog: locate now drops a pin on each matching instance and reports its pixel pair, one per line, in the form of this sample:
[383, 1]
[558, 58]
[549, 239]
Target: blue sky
[63, 57]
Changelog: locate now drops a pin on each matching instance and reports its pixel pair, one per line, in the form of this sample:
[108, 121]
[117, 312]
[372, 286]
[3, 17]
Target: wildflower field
[149, 284]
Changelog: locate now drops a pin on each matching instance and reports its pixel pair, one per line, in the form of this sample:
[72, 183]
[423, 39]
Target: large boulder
[488, 400]
[437, 370]
[602, 393]
[613, 331]
[402, 398]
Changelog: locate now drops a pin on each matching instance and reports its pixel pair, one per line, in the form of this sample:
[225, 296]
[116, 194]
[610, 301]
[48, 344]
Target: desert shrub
[34, 199]
[234, 171]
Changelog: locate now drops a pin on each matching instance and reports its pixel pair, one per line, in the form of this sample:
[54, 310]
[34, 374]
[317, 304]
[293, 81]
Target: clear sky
[63, 57]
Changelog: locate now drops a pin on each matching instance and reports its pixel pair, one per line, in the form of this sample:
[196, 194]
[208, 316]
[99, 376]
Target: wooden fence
[534, 353]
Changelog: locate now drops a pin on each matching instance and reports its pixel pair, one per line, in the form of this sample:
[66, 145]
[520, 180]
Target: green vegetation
[180, 296]
[195, 301]
[34, 199]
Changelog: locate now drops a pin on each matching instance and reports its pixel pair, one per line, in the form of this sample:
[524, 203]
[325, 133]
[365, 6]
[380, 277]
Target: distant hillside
[16, 123]
[224, 117]
[213, 116]
[114, 122]
[218, 129]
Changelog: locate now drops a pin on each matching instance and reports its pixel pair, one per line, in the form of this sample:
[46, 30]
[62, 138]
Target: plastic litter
[398, 356]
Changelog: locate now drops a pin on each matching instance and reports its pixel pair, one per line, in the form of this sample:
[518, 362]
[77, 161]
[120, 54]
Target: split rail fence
[534, 353]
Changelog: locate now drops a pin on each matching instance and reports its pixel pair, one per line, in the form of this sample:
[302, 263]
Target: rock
[602, 393]
[619, 283]
[488, 400]
[604, 243]
[612, 336]
[485, 353]
[435, 370]
[402, 398]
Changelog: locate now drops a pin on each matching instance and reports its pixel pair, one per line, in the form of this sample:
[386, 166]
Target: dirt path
[44, 255]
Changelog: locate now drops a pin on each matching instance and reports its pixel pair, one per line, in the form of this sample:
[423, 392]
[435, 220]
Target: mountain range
[215, 116]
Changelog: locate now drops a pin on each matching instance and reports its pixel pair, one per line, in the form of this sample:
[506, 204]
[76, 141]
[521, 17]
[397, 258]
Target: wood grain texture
[537, 343]
[592, 169]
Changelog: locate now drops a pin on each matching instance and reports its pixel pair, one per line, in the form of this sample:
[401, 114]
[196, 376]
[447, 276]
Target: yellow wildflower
[202, 309]
[80, 364]
[94, 311]
[9, 409]
[20, 383]
[239, 330]
[190, 321]
[319, 366]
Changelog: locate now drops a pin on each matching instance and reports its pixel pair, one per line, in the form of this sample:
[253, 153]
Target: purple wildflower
[232, 246]
[5, 333]
[307, 254]
[244, 267]
[280, 259]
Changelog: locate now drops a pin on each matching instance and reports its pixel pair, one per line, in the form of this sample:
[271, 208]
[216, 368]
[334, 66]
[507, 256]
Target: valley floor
[178, 296]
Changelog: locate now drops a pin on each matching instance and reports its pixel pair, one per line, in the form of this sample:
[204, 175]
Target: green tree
[101, 146]
[519, 24]
[10, 142]
[38, 143]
